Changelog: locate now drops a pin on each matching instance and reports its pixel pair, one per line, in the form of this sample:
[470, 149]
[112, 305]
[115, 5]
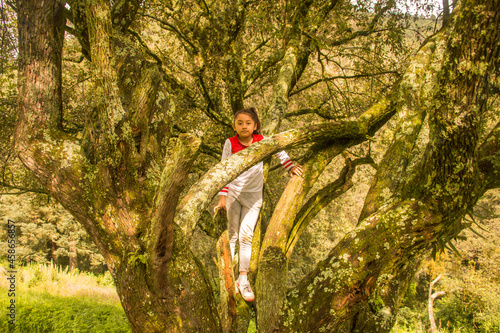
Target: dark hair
[252, 112]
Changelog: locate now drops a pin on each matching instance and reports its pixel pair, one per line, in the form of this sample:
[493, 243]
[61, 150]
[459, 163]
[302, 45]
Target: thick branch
[290, 71]
[107, 100]
[415, 94]
[271, 276]
[322, 198]
[139, 82]
[40, 58]
[55, 158]
[172, 183]
[342, 284]
[227, 311]
[407, 222]
[200, 194]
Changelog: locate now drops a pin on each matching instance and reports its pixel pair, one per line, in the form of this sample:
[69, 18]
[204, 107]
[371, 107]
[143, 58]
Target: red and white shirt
[252, 179]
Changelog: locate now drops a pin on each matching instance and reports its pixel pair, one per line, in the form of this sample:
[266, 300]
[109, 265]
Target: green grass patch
[43, 312]
[51, 299]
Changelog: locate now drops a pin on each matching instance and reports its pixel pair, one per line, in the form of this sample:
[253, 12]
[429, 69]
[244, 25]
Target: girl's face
[244, 125]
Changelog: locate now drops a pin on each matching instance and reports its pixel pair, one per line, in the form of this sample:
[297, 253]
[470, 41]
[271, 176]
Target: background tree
[134, 173]
[47, 233]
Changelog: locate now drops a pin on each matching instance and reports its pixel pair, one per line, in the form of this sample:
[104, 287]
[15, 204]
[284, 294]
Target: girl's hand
[296, 170]
[221, 204]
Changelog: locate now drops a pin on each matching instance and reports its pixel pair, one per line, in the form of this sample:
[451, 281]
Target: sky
[414, 7]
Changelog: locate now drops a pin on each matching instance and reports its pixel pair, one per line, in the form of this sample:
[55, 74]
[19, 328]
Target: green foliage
[471, 281]
[51, 299]
[474, 305]
[136, 258]
[47, 233]
[105, 279]
[411, 294]
[43, 312]
[60, 281]
[366, 66]
[410, 321]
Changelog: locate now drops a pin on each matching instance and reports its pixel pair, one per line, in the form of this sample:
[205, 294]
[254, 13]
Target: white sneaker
[246, 291]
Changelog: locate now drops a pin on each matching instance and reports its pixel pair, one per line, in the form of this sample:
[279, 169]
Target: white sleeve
[226, 152]
[285, 160]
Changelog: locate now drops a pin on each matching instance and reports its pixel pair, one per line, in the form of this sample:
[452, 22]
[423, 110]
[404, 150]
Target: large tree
[166, 78]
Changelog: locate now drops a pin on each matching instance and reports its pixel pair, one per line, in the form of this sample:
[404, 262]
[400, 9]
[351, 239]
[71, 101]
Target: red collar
[237, 146]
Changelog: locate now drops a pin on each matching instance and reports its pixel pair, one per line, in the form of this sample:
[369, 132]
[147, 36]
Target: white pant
[242, 214]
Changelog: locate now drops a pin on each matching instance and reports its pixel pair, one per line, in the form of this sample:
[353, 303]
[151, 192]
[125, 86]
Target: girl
[242, 198]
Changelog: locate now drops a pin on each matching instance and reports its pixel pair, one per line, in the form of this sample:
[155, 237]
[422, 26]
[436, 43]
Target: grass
[51, 299]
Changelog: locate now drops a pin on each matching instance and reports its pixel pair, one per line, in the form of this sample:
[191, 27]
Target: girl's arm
[221, 204]
[288, 164]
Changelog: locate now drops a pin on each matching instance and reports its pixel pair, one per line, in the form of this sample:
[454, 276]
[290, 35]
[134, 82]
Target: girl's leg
[233, 219]
[251, 203]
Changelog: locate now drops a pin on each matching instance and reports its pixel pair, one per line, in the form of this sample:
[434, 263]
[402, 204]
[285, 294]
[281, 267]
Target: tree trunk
[53, 249]
[143, 225]
[73, 256]
[354, 288]
[187, 304]
[446, 11]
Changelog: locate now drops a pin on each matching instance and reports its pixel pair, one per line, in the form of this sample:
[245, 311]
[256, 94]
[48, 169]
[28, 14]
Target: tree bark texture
[130, 192]
[227, 284]
[403, 219]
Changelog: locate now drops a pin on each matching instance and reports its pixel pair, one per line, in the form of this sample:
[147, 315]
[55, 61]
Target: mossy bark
[359, 287]
[227, 305]
[143, 227]
[106, 192]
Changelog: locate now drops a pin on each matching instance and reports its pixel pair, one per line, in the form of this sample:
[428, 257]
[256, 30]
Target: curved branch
[322, 198]
[172, 183]
[198, 197]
